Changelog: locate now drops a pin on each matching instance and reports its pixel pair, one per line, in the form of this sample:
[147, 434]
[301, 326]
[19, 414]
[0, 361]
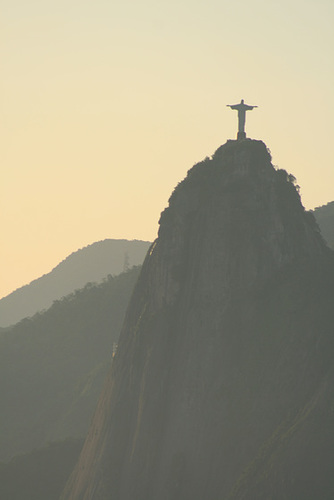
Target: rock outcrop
[224, 368]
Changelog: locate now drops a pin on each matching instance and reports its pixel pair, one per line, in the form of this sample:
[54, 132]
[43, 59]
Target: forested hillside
[40, 474]
[89, 264]
[52, 365]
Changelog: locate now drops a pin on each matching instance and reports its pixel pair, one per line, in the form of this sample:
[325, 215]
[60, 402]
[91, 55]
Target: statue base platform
[241, 136]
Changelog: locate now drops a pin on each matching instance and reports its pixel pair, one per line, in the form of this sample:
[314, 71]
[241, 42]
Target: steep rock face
[227, 340]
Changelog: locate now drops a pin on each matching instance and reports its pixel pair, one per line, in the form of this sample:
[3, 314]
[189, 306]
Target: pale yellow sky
[105, 106]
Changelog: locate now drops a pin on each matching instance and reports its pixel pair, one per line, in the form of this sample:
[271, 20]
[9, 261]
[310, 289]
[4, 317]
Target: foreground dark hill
[40, 474]
[89, 264]
[52, 365]
[325, 218]
[222, 387]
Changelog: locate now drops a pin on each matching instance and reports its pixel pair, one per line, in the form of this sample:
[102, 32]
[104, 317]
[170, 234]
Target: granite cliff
[222, 384]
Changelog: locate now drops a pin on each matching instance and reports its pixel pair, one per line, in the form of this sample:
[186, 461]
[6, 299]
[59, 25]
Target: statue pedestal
[241, 135]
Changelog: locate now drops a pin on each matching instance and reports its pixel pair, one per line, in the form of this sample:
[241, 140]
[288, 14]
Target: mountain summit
[222, 386]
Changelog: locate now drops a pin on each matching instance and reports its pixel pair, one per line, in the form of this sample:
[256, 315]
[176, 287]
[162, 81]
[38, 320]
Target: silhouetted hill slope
[40, 474]
[52, 365]
[226, 353]
[89, 264]
[325, 218]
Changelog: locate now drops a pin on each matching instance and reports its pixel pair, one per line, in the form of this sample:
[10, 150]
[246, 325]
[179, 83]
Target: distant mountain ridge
[325, 218]
[89, 264]
[93, 263]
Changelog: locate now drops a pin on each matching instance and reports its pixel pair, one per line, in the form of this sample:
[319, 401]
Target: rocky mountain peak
[239, 217]
[226, 347]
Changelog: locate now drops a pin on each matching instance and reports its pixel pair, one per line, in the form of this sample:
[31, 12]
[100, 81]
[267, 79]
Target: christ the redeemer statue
[241, 108]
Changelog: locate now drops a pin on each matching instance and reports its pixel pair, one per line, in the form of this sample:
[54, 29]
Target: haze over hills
[95, 262]
[222, 386]
[325, 218]
[39, 347]
[89, 264]
[52, 365]
[40, 474]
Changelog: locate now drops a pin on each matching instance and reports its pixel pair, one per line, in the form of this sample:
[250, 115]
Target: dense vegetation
[40, 474]
[52, 365]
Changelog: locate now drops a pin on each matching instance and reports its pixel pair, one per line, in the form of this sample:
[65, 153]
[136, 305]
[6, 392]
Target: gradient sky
[105, 105]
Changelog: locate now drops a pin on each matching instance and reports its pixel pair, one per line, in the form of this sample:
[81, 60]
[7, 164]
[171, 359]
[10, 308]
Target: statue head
[242, 101]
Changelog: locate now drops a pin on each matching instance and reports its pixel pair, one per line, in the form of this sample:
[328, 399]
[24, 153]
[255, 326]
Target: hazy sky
[105, 105]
